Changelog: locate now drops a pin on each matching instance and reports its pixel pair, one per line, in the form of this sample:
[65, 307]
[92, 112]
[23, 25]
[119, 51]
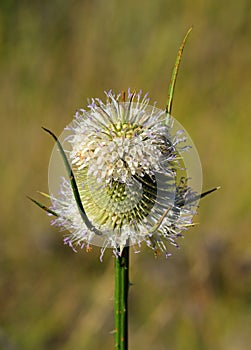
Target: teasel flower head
[131, 163]
[131, 174]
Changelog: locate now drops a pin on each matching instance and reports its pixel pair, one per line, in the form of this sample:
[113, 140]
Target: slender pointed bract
[42, 206]
[202, 195]
[73, 184]
[175, 74]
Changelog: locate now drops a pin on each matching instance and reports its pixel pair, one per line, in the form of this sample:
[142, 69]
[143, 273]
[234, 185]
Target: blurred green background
[53, 56]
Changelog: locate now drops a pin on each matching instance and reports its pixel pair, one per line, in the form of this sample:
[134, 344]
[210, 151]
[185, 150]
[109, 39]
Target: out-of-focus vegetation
[53, 56]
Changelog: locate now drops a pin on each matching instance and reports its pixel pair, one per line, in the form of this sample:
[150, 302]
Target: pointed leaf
[49, 211]
[175, 74]
[202, 195]
[73, 184]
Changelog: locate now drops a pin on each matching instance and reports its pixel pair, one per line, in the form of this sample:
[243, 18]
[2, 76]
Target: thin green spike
[49, 211]
[175, 74]
[73, 184]
[202, 195]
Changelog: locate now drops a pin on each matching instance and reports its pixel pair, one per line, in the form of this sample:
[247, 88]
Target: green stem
[121, 300]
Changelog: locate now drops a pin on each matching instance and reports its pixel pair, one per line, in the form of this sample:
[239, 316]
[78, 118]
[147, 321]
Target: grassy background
[53, 56]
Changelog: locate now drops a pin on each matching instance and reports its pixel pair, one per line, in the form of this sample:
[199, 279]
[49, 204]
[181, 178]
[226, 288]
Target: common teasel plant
[132, 176]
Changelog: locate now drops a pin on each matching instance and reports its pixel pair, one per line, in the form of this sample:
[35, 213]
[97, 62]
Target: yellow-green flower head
[131, 162]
